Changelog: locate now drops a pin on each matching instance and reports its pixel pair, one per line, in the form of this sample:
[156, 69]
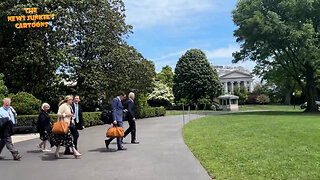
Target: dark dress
[44, 126]
[65, 140]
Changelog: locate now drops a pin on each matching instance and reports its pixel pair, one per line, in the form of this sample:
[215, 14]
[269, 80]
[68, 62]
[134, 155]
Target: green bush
[90, 119]
[25, 103]
[150, 112]
[30, 120]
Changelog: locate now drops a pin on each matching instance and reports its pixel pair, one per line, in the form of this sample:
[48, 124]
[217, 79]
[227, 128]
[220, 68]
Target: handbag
[60, 127]
[115, 132]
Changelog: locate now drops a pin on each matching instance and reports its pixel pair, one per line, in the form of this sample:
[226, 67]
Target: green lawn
[180, 112]
[267, 145]
[242, 108]
[269, 107]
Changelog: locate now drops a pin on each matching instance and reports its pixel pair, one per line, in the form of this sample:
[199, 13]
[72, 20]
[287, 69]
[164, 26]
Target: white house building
[231, 77]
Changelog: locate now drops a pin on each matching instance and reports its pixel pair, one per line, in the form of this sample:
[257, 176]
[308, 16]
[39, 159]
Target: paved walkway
[161, 154]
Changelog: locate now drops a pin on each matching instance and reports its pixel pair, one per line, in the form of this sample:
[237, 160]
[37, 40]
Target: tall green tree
[125, 69]
[92, 31]
[3, 87]
[194, 78]
[281, 33]
[29, 57]
[166, 76]
[281, 84]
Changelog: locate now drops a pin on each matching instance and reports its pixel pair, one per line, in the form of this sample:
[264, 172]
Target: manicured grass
[241, 108]
[269, 107]
[180, 112]
[267, 145]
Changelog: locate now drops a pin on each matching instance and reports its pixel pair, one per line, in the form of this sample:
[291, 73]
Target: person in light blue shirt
[7, 111]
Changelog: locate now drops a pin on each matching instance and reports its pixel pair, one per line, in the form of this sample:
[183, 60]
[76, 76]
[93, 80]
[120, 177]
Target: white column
[246, 85]
[250, 87]
[232, 86]
[226, 87]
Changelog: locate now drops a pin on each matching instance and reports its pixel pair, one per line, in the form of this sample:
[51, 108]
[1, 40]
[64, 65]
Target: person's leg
[45, 146]
[75, 135]
[75, 138]
[107, 142]
[133, 131]
[11, 148]
[75, 152]
[57, 152]
[127, 131]
[2, 144]
[119, 143]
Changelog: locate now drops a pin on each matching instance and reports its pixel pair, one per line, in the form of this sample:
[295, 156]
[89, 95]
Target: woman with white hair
[44, 127]
[65, 114]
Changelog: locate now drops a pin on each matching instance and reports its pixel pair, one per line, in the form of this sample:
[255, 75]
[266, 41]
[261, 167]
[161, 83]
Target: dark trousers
[6, 141]
[75, 135]
[131, 129]
[119, 140]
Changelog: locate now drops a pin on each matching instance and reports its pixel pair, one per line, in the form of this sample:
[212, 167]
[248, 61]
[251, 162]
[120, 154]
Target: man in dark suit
[117, 116]
[79, 124]
[131, 117]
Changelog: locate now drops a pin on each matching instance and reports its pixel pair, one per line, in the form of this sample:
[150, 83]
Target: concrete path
[161, 154]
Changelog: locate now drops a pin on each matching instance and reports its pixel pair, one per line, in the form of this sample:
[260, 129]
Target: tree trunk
[311, 90]
[287, 100]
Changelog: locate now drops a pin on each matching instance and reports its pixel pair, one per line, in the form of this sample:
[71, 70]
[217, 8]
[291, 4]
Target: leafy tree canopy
[194, 78]
[281, 33]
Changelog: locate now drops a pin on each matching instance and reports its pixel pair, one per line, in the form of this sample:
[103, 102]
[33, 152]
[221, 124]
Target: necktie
[77, 117]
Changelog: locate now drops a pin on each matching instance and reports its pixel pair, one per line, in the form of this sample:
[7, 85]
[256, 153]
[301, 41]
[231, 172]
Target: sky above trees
[165, 30]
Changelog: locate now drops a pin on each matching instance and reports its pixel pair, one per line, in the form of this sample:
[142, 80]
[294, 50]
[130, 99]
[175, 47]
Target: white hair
[5, 99]
[131, 94]
[44, 105]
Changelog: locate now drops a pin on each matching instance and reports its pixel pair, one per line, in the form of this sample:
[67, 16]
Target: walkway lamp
[294, 103]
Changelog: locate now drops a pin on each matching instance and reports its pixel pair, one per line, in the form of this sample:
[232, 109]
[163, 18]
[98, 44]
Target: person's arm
[131, 111]
[13, 111]
[114, 109]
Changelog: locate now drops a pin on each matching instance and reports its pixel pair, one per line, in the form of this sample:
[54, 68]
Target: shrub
[263, 99]
[92, 119]
[150, 112]
[25, 103]
[161, 96]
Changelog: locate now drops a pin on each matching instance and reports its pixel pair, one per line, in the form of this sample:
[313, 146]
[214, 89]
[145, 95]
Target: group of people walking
[70, 112]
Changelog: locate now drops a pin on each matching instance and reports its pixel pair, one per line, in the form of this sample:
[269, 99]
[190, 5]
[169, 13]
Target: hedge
[90, 118]
[150, 112]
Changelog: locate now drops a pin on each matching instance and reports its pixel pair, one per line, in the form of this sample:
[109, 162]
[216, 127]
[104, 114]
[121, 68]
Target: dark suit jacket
[81, 123]
[7, 128]
[117, 109]
[130, 107]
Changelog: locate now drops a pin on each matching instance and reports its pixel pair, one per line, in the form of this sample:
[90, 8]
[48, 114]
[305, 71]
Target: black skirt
[44, 135]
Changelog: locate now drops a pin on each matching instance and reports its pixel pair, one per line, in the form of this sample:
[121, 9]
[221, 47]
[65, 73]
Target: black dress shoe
[68, 153]
[134, 142]
[122, 149]
[107, 143]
